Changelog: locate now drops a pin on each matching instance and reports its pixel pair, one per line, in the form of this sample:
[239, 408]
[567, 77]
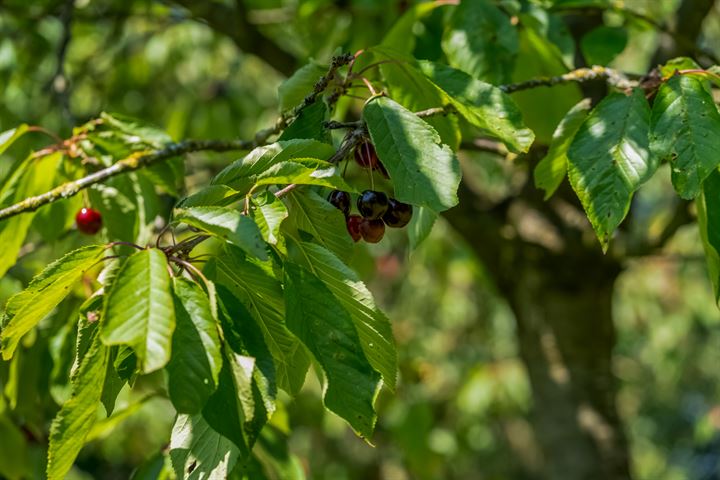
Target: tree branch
[613, 77]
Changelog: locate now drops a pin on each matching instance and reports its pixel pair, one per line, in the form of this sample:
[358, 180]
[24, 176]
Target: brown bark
[560, 289]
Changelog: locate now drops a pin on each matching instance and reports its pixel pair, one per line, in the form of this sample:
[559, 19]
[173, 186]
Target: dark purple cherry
[365, 155]
[398, 214]
[372, 231]
[372, 204]
[340, 200]
[353, 226]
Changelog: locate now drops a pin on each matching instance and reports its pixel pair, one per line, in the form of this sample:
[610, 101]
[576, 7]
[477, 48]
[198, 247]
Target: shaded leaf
[551, 170]
[197, 359]
[423, 171]
[199, 452]
[315, 316]
[708, 219]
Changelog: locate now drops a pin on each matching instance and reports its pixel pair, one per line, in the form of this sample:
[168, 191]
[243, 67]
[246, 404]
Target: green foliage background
[463, 403]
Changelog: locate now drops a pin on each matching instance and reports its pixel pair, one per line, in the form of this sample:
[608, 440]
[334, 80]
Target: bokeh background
[462, 405]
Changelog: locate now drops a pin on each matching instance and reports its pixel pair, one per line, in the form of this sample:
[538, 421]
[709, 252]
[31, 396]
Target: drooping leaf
[294, 90]
[310, 213]
[551, 170]
[196, 356]
[199, 452]
[135, 131]
[25, 309]
[483, 105]
[268, 215]
[685, 129]
[139, 309]
[77, 416]
[227, 223]
[245, 338]
[373, 327]
[609, 159]
[424, 172]
[261, 294]
[708, 218]
[315, 316]
[480, 40]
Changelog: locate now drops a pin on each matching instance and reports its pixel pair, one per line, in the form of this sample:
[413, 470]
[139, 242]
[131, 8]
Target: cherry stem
[193, 270]
[53, 135]
[698, 71]
[129, 244]
[376, 64]
[369, 85]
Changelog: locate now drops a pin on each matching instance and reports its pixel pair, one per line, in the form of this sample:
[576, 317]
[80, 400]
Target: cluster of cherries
[376, 209]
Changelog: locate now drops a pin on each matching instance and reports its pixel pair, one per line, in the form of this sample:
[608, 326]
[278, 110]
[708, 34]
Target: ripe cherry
[372, 204]
[372, 231]
[366, 156]
[353, 226]
[88, 221]
[398, 214]
[340, 200]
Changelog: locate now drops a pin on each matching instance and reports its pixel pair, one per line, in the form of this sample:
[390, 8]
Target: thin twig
[580, 75]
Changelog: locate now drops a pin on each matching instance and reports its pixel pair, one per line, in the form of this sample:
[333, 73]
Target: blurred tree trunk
[559, 286]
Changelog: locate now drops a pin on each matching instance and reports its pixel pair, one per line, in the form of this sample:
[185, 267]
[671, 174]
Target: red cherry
[372, 231]
[88, 221]
[353, 226]
[398, 214]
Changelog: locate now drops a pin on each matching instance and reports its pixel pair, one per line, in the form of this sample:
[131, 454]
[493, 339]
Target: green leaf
[227, 223]
[420, 226]
[601, 45]
[242, 174]
[8, 137]
[542, 108]
[294, 90]
[483, 105]
[609, 159]
[326, 329]
[139, 309]
[168, 175]
[25, 309]
[261, 294]
[269, 214]
[113, 383]
[210, 196]
[685, 129]
[303, 171]
[373, 327]
[197, 359]
[424, 172]
[77, 416]
[36, 178]
[311, 213]
[708, 218]
[480, 40]
[551, 170]
[309, 123]
[409, 87]
[135, 131]
[199, 452]
[401, 36]
[245, 338]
